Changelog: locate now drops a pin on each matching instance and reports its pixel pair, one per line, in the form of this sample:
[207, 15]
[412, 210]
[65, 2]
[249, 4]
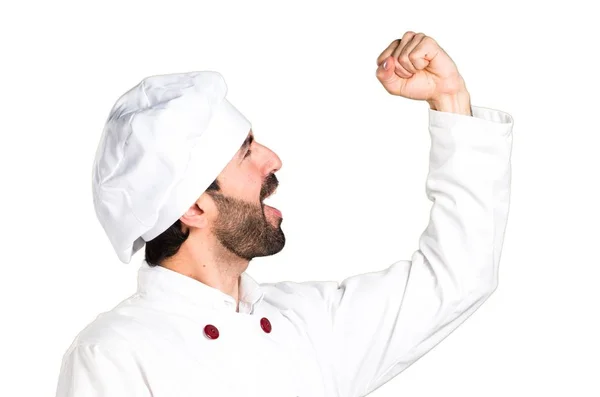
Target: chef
[179, 171]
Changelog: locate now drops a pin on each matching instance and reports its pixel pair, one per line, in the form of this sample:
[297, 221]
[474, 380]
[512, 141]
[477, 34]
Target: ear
[199, 213]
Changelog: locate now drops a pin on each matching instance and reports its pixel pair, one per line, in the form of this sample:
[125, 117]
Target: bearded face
[249, 229]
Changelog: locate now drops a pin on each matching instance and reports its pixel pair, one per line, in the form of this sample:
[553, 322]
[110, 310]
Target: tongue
[273, 209]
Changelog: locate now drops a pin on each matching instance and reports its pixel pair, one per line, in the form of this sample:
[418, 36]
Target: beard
[243, 228]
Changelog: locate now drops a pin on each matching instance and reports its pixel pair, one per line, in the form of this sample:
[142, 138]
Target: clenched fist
[416, 67]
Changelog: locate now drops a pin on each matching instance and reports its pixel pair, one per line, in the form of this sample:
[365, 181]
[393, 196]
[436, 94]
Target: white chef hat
[164, 142]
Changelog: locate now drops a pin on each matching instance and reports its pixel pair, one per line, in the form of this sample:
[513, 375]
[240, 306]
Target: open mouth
[269, 208]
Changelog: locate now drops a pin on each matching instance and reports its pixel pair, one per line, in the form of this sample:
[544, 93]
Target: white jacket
[315, 338]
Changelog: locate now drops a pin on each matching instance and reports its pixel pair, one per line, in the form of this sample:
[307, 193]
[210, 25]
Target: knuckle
[429, 39]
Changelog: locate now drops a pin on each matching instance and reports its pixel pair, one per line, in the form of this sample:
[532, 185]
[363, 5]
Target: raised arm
[370, 327]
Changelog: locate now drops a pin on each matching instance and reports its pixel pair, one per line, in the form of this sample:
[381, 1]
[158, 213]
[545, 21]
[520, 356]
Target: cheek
[250, 188]
[244, 185]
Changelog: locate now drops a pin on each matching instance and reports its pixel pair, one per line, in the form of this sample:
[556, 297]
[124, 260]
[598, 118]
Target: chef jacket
[177, 337]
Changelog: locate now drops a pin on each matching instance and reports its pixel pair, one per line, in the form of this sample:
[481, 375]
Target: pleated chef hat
[164, 142]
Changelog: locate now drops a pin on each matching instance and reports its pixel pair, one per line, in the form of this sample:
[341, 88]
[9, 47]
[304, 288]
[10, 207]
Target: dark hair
[168, 242]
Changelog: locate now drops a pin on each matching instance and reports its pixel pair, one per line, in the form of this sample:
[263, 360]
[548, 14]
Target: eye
[247, 153]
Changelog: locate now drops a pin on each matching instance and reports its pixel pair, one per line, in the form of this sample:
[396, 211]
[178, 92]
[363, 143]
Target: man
[179, 169]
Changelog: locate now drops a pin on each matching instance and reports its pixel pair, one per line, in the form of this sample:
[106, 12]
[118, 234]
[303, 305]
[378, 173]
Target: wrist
[455, 103]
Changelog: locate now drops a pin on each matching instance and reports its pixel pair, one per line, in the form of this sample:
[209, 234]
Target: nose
[276, 162]
[272, 162]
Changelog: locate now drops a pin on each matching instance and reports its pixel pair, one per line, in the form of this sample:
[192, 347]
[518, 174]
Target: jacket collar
[153, 280]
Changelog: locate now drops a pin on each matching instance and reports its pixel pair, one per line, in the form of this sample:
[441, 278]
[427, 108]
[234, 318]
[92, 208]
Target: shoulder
[297, 295]
[116, 328]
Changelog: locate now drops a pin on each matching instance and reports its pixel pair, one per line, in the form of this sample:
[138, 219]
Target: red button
[211, 331]
[265, 324]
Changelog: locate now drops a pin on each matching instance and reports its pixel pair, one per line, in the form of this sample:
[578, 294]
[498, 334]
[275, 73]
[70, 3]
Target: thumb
[385, 73]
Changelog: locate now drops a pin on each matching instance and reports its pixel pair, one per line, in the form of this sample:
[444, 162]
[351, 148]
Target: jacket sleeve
[90, 370]
[373, 326]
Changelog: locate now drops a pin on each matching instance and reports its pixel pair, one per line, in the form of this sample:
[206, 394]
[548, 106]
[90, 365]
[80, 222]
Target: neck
[212, 265]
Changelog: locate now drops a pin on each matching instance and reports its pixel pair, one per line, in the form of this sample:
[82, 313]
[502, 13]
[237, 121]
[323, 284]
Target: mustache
[269, 186]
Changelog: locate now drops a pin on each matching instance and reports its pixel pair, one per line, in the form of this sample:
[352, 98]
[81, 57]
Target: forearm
[459, 103]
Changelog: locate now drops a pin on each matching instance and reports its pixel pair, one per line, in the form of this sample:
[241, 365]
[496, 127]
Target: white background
[352, 186]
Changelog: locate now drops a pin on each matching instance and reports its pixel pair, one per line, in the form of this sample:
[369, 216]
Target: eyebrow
[247, 142]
